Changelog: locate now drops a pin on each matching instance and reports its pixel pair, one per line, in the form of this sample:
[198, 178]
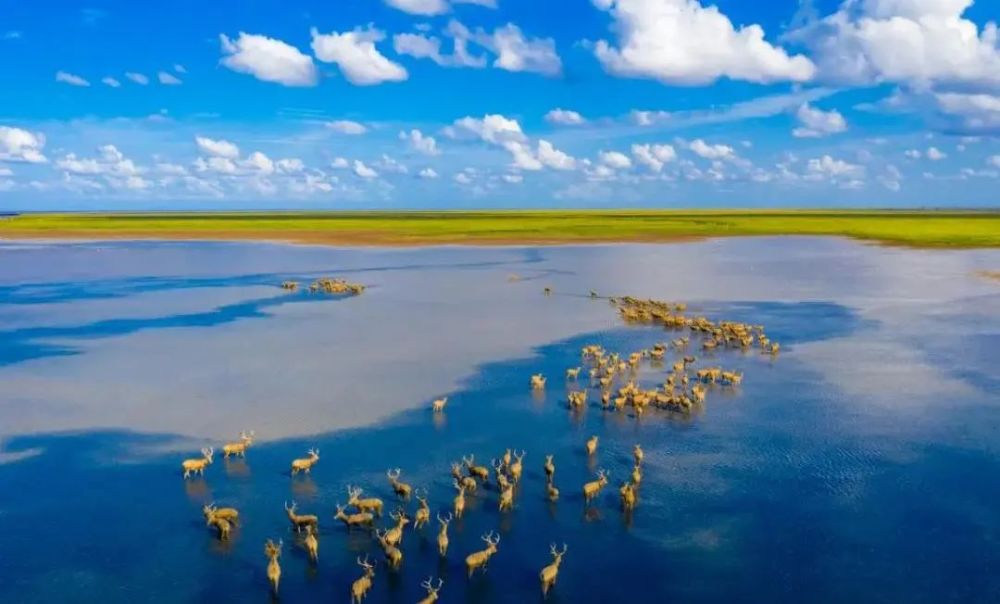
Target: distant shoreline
[929, 229]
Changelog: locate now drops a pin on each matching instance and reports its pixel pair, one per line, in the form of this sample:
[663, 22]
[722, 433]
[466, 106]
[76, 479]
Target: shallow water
[860, 464]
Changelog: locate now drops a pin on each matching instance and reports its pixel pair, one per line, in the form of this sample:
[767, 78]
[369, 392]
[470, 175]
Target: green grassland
[912, 228]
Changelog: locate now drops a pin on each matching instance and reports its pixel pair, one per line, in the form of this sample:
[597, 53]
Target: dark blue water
[860, 464]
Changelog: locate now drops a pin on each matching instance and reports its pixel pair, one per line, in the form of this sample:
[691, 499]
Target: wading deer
[502, 480]
[393, 555]
[423, 514]
[372, 504]
[551, 491]
[442, 537]
[638, 454]
[312, 544]
[221, 525]
[432, 592]
[459, 503]
[229, 514]
[360, 587]
[394, 536]
[239, 448]
[592, 446]
[273, 552]
[362, 519]
[550, 467]
[305, 464]
[480, 472]
[197, 466]
[627, 493]
[636, 475]
[574, 373]
[593, 489]
[506, 458]
[401, 489]
[507, 498]
[438, 405]
[551, 572]
[537, 381]
[300, 521]
[517, 467]
[480, 559]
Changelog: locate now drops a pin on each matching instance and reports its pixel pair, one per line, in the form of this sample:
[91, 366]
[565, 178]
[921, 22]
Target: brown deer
[312, 544]
[636, 475]
[238, 448]
[273, 552]
[551, 491]
[628, 497]
[502, 480]
[573, 374]
[480, 559]
[401, 489]
[538, 382]
[230, 514]
[432, 592]
[507, 498]
[593, 489]
[394, 536]
[305, 464]
[517, 467]
[423, 514]
[470, 483]
[480, 472]
[592, 446]
[393, 555]
[197, 466]
[442, 537]
[221, 525]
[439, 404]
[551, 572]
[300, 521]
[550, 467]
[638, 454]
[362, 519]
[360, 587]
[459, 503]
[372, 504]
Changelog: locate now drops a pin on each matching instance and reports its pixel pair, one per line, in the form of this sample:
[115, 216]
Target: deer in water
[537, 381]
[360, 587]
[197, 466]
[574, 373]
[593, 488]
[221, 525]
[507, 498]
[475, 471]
[423, 514]
[438, 405]
[273, 552]
[401, 489]
[300, 521]
[517, 467]
[305, 464]
[627, 493]
[459, 503]
[432, 592]
[393, 555]
[372, 504]
[502, 480]
[394, 536]
[231, 515]
[442, 537]
[551, 491]
[636, 475]
[481, 558]
[550, 468]
[362, 519]
[551, 572]
[592, 446]
[312, 544]
[239, 448]
[638, 454]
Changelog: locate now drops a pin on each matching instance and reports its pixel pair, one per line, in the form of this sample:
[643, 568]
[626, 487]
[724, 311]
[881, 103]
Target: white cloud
[492, 128]
[682, 42]
[564, 117]
[217, 148]
[110, 81]
[268, 59]
[913, 153]
[462, 178]
[71, 79]
[977, 112]
[355, 54]
[138, 78]
[513, 178]
[522, 156]
[517, 53]
[615, 159]
[429, 47]
[110, 164]
[553, 158]
[428, 173]
[420, 142]
[17, 145]
[179, 68]
[935, 154]
[993, 160]
[829, 167]
[816, 123]
[340, 163]
[389, 164]
[347, 127]
[170, 169]
[168, 79]
[654, 156]
[258, 162]
[219, 165]
[702, 149]
[289, 165]
[363, 171]
[429, 8]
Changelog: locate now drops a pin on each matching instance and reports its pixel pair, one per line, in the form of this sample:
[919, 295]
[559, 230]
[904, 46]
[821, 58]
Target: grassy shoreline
[939, 229]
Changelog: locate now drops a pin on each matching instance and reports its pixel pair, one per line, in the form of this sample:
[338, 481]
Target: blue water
[861, 464]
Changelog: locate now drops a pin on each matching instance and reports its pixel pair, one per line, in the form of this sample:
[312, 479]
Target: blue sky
[499, 103]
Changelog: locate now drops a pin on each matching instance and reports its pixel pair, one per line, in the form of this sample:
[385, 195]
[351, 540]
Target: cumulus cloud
[217, 147]
[976, 112]
[268, 59]
[110, 164]
[363, 171]
[110, 81]
[515, 52]
[492, 128]
[564, 117]
[71, 79]
[816, 123]
[428, 8]
[654, 156]
[832, 168]
[682, 42]
[935, 154]
[615, 159]
[138, 78]
[707, 151]
[17, 145]
[347, 127]
[354, 52]
[993, 160]
[340, 163]
[428, 174]
[553, 158]
[168, 79]
[421, 46]
[420, 142]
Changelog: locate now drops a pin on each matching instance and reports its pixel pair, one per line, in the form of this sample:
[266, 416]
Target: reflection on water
[854, 466]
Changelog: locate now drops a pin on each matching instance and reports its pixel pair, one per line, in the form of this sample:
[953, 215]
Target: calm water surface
[862, 464]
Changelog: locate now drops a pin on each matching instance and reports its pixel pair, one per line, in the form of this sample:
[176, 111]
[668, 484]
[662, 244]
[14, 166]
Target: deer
[231, 515]
[517, 467]
[481, 558]
[550, 467]
[593, 489]
[459, 503]
[197, 466]
[475, 471]
[273, 552]
[423, 514]
[438, 405]
[636, 475]
[432, 592]
[312, 544]
[502, 480]
[360, 587]
[222, 526]
[305, 464]
[506, 458]
[393, 555]
[238, 448]
[551, 572]
[442, 537]
[627, 493]
[394, 536]
[300, 521]
[470, 483]
[638, 454]
[371, 505]
[538, 381]
[507, 498]
[573, 374]
[551, 492]
[592, 446]
[362, 519]
[401, 489]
